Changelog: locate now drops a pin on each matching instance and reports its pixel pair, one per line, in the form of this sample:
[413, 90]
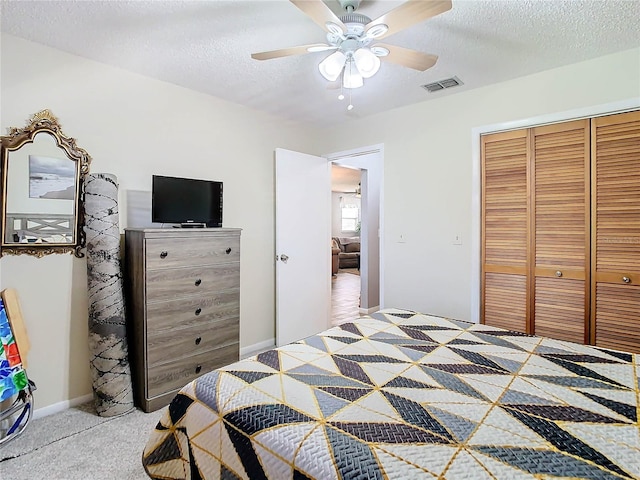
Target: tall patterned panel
[504, 230]
[616, 230]
[108, 344]
[560, 237]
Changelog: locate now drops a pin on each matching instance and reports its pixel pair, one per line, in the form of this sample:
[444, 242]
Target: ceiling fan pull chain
[350, 106]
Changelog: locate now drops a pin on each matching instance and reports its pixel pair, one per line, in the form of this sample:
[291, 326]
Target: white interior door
[303, 248]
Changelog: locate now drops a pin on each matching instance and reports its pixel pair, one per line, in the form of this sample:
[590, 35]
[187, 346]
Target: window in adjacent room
[350, 211]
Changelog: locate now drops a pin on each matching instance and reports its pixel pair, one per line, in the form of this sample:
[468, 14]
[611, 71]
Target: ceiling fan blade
[408, 58]
[319, 13]
[409, 13]
[285, 52]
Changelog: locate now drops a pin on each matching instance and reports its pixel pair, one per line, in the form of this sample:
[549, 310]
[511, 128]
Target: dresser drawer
[191, 311]
[167, 284]
[172, 376]
[184, 252]
[184, 342]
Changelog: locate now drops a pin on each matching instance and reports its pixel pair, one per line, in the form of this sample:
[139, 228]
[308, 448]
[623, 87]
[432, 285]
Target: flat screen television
[186, 201]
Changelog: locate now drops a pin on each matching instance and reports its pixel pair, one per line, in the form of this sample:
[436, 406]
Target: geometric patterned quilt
[403, 395]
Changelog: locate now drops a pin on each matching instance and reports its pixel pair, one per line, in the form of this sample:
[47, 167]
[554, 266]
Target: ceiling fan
[353, 38]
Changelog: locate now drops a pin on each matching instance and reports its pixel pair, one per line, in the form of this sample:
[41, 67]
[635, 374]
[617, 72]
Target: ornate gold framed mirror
[41, 178]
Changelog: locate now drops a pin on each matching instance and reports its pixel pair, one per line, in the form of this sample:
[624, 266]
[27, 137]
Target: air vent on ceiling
[442, 84]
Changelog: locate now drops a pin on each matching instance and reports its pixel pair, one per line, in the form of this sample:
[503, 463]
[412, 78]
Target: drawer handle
[198, 282]
[558, 274]
[626, 279]
[198, 368]
[198, 340]
[198, 311]
[164, 254]
[228, 250]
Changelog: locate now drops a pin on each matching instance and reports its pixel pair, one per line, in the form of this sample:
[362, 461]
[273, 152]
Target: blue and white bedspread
[402, 395]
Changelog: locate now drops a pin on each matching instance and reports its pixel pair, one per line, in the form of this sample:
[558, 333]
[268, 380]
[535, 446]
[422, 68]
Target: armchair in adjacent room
[335, 261]
[349, 256]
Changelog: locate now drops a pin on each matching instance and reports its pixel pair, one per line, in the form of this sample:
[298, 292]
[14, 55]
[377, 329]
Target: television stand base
[191, 225]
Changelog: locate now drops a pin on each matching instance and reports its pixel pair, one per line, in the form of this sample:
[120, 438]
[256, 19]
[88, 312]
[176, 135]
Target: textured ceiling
[206, 46]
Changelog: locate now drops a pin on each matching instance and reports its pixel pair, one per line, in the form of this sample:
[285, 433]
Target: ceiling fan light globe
[367, 63]
[331, 66]
[352, 78]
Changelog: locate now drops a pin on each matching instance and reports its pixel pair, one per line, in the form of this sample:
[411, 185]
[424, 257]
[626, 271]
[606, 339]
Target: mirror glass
[42, 171]
[41, 194]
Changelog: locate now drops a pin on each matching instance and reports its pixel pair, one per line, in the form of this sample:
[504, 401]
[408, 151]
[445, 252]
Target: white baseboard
[367, 311]
[61, 406]
[256, 348]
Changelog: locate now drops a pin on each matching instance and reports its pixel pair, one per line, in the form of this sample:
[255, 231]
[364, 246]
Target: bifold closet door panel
[559, 242]
[616, 316]
[616, 230]
[560, 308]
[504, 230]
[505, 301]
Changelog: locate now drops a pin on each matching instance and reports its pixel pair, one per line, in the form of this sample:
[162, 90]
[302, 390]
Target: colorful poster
[13, 378]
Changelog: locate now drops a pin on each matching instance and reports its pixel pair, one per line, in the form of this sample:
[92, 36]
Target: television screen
[186, 201]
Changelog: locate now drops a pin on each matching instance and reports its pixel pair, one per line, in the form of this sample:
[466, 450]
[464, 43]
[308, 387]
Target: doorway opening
[346, 225]
[357, 221]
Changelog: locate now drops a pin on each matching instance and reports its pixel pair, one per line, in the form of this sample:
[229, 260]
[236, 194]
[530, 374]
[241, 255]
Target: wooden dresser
[183, 302]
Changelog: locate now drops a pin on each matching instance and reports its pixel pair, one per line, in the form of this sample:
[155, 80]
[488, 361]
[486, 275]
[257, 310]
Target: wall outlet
[457, 239]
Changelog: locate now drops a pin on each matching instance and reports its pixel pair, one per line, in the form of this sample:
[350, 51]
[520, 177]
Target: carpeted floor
[78, 445]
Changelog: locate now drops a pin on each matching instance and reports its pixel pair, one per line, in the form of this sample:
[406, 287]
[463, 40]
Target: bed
[399, 394]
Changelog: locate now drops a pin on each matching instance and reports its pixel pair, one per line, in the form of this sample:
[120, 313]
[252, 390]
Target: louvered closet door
[616, 230]
[560, 236]
[504, 230]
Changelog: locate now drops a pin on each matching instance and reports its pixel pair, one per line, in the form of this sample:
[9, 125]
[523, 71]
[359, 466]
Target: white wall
[335, 214]
[428, 171]
[134, 127]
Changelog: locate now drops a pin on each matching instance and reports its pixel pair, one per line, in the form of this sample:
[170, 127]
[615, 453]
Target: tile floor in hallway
[345, 297]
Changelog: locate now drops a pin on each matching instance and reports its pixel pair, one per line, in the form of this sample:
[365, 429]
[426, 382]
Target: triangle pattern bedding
[399, 394]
